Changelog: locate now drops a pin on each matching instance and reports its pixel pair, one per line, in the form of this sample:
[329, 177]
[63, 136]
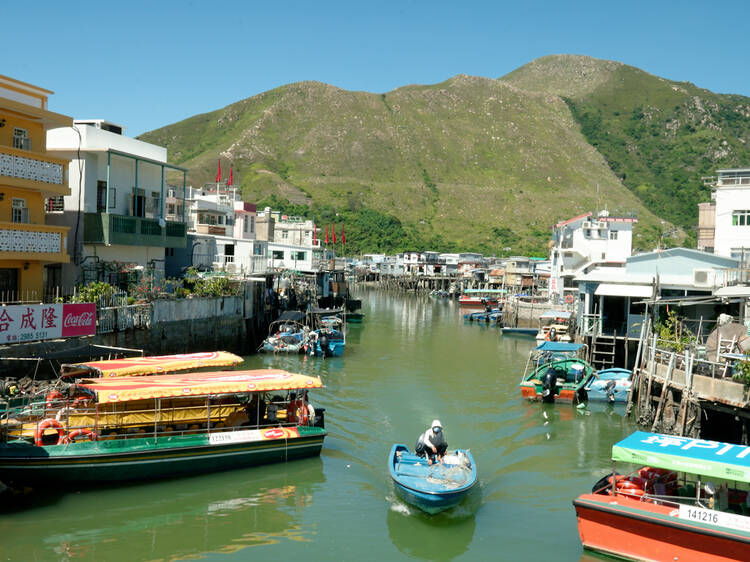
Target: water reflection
[414, 533]
[174, 519]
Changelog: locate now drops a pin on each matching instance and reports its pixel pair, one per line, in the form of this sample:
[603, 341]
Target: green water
[412, 360]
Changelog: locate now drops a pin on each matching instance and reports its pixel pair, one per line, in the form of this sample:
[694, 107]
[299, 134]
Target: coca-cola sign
[79, 320]
[21, 323]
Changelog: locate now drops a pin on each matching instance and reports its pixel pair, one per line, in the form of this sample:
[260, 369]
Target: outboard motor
[609, 389]
[549, 386]
[323, 341]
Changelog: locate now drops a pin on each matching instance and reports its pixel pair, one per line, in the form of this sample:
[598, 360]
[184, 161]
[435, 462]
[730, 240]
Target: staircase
[603, 352]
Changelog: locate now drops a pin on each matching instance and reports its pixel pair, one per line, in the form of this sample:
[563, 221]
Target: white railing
[591, 325]
[23, 167]
[240, 265]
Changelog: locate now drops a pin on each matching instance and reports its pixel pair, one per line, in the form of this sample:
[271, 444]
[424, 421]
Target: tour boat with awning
[151, 365]
[113, 429]
[688, 502]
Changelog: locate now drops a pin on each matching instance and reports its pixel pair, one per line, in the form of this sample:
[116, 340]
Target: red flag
[231, 176]
[334, 233]
[315, 233]
[343, 236]
[326, 240]
[218, 174]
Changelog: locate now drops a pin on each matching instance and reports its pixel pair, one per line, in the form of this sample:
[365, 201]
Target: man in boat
[432, 443]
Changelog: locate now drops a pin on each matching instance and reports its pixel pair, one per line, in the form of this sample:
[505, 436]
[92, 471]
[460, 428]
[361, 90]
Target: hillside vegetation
[658, 136]
[474, 163]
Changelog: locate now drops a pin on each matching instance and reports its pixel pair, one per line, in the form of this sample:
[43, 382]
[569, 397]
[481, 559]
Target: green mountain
[658, 136]
[473, 163]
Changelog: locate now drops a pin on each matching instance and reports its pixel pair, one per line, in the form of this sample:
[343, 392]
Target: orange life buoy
[71, 437]
[46, 424]
[52, 396]
[301, 413]
[569, 298]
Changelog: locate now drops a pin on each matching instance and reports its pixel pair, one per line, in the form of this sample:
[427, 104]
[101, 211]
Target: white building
[724, 224]
[116, 209]
[585, 241]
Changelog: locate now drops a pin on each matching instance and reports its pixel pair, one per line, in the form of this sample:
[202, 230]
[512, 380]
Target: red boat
[664, 511]
[467, 301]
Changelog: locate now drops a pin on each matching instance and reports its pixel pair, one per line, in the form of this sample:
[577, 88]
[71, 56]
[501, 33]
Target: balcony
[213, 229]
[29, 170]
[106, 228]
[33, 242]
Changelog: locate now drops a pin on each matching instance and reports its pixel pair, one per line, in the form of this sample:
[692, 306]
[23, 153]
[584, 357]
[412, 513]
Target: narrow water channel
[412, 360]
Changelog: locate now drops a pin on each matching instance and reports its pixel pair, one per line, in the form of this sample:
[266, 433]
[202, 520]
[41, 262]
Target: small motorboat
[432, 487]
[355, 317]
[492, 316]
[556, 371]
[610, 385]
[326, 342]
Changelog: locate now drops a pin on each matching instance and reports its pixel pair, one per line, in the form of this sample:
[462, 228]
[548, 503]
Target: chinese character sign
[20, 323]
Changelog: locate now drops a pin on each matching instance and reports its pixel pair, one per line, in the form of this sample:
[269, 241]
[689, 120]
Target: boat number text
[730, 520]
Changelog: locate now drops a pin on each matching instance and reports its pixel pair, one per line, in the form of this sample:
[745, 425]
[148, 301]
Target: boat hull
[145, 459]
[429, 504]
[638, 530]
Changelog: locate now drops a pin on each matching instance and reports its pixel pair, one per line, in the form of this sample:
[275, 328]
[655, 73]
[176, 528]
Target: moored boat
[492, 316]
[287, 334]
[150, 365]
[327, 342]
[476, 301]
[609, 385]
[665, 511]
[555, 325]
[436, 487]
[156, 426]
[355, 317]
[556, 371]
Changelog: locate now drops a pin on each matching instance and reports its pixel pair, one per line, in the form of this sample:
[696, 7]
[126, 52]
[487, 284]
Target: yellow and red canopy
[124, 389]
[151, 365]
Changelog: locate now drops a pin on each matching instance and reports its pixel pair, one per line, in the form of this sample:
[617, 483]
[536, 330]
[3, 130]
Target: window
[613, 235]
[21, 139]
[252, 224]
[298, 255]
[277, 254]
[258, 250]
[55, 204]
[101, 196]
[741, 218]
[20, 211]
[284, 234]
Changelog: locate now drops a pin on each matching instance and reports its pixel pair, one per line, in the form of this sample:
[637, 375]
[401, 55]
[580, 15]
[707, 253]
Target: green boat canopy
[695, 456]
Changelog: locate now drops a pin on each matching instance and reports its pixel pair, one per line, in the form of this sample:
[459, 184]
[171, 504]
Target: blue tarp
[558, 346]
[695, 456]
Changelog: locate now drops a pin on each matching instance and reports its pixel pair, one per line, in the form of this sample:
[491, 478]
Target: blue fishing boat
[610, 385]
[327, 342]
[490, 317]
[436, 487]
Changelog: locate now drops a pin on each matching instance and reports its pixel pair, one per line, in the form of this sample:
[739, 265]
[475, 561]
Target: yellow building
[31, 184]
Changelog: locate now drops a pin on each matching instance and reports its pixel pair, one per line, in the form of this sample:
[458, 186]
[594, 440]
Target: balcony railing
[44, 242]
[106, 228]
[221, 230]
[23, 165]
[240, 265]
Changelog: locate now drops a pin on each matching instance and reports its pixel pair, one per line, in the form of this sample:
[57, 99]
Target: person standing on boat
[432, 443]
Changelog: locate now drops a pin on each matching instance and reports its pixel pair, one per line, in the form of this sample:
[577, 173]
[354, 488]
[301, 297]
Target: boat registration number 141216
[721, 518]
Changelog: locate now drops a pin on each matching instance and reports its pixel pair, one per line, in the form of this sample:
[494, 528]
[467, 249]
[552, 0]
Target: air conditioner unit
[704, 277]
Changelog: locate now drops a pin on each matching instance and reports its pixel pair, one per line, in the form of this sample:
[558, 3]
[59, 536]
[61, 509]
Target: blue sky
[148, 64]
